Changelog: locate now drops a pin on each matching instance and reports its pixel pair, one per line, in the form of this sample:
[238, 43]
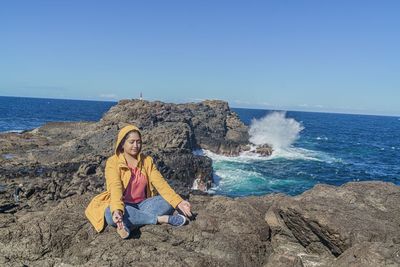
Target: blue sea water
[22, 113]
[309, 148]
[325, 148]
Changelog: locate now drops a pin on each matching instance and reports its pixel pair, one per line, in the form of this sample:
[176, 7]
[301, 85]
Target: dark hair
[121, 144]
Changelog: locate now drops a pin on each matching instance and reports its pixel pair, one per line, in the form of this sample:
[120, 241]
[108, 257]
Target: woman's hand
[185, 207]
[117, 218]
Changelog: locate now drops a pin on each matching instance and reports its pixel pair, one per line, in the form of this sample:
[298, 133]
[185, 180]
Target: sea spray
[280, 132]
[275, 130]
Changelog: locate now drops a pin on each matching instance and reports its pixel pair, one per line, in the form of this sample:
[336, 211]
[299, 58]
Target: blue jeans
[145, 212]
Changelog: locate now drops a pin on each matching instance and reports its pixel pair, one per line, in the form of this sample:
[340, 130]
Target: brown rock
[264, 150]
[327, 221]
[352, 225]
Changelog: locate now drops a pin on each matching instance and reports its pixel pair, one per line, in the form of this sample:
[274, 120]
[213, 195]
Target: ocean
[309, 148]
[22, 113]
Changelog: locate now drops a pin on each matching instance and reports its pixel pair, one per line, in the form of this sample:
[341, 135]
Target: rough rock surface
[353, 225]
[356, 224]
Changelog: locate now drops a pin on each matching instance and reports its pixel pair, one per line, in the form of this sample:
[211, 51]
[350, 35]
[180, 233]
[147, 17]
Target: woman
[133, 182]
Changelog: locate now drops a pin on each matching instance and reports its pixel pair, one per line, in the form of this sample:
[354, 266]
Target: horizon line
[230, 105]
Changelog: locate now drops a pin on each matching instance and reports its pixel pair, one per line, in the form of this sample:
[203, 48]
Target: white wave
[244, 157]
[322, 138]
[291, 153]
[275, 129]
[13, 131]
[198, 152]
[279, 132]
[294, 153]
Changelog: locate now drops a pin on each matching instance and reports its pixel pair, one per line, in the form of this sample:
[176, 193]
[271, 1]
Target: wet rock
[264, 150]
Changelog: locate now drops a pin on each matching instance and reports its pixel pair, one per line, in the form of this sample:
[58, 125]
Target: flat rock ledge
[356, 224]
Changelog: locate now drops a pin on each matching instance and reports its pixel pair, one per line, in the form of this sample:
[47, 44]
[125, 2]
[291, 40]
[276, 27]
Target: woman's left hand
[185, 207]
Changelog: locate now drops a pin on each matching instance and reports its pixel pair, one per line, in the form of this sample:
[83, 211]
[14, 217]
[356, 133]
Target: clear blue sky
[340, 56]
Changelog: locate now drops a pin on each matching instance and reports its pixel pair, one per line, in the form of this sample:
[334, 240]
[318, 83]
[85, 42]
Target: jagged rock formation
[356, 224]
[62, 159]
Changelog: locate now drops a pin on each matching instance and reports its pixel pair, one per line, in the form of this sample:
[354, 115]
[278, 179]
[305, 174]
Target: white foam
[13, 131]
[294, 153]
[243, 157]
[198, 152]
[291, 153]
[275, 129]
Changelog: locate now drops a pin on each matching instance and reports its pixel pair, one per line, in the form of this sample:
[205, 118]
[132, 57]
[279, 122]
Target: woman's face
[133, 144]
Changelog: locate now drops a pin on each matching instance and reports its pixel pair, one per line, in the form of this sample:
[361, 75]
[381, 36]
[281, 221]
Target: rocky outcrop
[353, 225]
[264, 150]
[209, 125]
[58, 160]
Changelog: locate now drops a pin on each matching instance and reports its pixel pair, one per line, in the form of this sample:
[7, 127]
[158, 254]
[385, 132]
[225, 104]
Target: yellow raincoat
[117, 178]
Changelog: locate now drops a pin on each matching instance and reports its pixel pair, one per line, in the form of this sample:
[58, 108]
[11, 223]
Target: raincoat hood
[122, 133]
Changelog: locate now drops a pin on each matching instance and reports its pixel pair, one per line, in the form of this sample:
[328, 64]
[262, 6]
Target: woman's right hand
[185, 207]
[117, 218]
